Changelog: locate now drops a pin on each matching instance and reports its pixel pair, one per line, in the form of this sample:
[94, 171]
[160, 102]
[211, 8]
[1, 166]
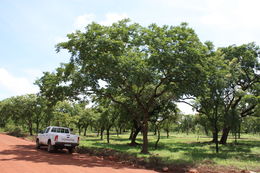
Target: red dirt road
[20, 156]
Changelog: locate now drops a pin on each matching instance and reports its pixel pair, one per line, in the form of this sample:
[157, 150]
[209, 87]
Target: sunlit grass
[188, 149]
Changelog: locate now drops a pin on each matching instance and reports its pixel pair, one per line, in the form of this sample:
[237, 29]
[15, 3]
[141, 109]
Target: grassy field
[189, 149]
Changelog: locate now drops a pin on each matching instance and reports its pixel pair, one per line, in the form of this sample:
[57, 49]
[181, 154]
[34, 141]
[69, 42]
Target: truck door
[46, 136]
[40, 136]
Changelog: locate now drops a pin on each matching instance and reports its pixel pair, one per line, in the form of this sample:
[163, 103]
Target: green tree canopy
[133, 62]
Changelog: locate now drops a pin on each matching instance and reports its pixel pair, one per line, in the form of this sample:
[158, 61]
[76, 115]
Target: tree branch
[247, 111]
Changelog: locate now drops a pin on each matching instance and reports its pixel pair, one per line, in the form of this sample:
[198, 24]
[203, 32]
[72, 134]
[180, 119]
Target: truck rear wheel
[50, 147]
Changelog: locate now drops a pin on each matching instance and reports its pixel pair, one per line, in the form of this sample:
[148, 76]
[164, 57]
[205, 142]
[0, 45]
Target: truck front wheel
[71, 150]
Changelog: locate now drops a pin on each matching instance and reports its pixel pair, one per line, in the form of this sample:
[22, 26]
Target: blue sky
[29, 29]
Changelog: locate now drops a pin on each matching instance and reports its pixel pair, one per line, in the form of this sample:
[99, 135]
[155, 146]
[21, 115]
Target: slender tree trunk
[167, 132]
[239, 130]
[216, 138]
[145, 135]
[216, 128]
[235, 137]
[79, 128]
[37, 126]
[31, 130]
[155, 130]
[85, 130]
[224, 136]
[108, 129]
[101, 133]
[216, 142]
[29, 125]
[158, 138]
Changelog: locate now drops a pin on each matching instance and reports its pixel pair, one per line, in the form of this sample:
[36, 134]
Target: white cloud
[82, 21]
[15, 85]
[111, 18]
[232, 14]
[185, 109]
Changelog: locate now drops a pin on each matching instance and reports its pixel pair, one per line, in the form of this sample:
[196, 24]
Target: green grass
[189, 149]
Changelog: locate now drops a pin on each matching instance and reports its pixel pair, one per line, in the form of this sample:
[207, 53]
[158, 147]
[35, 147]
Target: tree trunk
[108, 135]
[131, 134]
[134, 135]
[239, 130]
[79, 128]
[31, 130]
[158, 138]
[224, 136]
[214, 137]
[145, 135]
[216, 132]
[167, 132]
[101, 133]
[85, 130]
[216, 142]
[37, 126]
[155, 130]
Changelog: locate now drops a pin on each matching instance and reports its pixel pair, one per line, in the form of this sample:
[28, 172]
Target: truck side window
[66, 130]
[54, 130]
[58, 130]
[47, 130]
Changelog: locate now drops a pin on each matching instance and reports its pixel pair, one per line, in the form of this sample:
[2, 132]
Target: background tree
[211, 101]
[187, 123]
[242, 91]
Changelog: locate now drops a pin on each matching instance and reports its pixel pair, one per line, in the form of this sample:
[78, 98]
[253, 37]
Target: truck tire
[71, 150]
[50, 147]
[38, 146]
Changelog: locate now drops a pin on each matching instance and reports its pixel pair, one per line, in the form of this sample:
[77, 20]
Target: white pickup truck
[57, 138]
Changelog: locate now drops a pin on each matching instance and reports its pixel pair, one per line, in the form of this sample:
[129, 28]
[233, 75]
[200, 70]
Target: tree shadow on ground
[60, 157]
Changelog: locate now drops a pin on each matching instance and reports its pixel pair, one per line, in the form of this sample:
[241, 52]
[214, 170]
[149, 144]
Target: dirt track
[20, 156]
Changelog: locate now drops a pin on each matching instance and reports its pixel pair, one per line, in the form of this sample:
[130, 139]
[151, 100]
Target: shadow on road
[60, 157]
